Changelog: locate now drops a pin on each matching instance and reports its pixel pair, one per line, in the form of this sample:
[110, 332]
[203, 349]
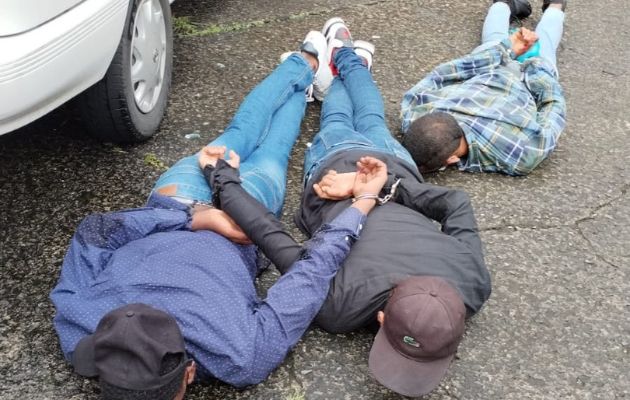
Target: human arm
[543, 85]
[451, 208]
[294, 300]
[220, 222]
[258, 223]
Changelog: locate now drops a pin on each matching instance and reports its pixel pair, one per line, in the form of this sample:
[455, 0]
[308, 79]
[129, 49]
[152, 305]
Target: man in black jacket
[419, 281]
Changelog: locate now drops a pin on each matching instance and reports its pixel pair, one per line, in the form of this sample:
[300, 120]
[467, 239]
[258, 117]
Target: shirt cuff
[507, 44]
[351, 219]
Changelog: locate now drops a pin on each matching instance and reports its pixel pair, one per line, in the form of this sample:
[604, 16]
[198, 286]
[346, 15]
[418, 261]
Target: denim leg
[369, 111]
[251, 122]
[335, 127]
[337, 110]
[249, 127]
[496, 26]
[264, 173]
[549, 31]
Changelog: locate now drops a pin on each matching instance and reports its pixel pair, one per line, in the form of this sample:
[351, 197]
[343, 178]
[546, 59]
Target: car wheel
[127, 105]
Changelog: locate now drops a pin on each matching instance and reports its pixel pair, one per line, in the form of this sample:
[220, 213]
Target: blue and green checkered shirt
[512, 114]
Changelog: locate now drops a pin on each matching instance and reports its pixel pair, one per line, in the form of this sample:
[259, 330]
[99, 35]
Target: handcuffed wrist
[367, 196]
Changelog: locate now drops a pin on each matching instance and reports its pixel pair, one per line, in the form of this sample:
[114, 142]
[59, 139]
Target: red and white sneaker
[337, 35]
[365, 50]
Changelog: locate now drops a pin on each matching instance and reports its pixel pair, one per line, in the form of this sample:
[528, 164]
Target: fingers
[215, 151]
[235, 159]
[370, 164]
[320, 191]
[328, 180]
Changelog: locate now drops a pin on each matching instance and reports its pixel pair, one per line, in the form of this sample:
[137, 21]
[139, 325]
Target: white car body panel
[44, 67]
[19, 16]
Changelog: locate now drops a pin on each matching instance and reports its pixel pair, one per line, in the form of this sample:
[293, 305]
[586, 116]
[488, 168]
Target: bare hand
[335, 186]
[218, 221]
[370, 177]
[209, 155]
[523, 40]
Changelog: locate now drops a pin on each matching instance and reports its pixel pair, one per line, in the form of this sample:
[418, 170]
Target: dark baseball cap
[128, 347]
[424, 323]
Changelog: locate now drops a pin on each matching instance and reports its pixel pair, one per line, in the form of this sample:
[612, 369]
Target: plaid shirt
[512, 114]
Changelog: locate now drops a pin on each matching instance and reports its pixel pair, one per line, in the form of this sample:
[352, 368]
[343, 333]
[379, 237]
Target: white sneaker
[365, 50]
[315, 44]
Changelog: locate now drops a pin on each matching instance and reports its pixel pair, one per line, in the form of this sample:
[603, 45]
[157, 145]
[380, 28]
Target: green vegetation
[151, 160]
[184, 27]
[298, 394]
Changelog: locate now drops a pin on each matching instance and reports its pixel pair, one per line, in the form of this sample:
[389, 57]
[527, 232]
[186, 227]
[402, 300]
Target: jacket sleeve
[258, 223]
[450, 207]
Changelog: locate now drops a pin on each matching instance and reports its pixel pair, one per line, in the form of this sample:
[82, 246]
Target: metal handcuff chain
[379, 200]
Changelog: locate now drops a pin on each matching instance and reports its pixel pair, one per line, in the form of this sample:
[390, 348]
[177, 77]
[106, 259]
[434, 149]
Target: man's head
[434, 141]
[421, 328]
[138, 353]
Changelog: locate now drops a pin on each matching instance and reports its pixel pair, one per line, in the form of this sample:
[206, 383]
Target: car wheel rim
[148, 54]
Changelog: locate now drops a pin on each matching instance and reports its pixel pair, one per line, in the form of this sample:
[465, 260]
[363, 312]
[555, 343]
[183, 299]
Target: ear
[453, 159]
[380, 317]
[191, 371]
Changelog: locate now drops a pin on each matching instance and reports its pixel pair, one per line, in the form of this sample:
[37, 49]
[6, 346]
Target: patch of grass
[151, 160]
[296, 396]
[183, 26]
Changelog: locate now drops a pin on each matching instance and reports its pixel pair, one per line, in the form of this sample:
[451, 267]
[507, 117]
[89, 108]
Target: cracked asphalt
[557, 242]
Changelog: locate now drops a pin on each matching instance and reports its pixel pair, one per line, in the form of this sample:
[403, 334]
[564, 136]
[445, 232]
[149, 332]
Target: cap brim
[402, 375]
[83, 357]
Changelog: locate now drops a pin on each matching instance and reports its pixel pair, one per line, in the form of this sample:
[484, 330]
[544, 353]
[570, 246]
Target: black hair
[432, 139]
[167, 392]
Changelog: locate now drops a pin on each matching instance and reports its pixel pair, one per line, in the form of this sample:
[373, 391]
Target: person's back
[510, 114]
[399, 240]
[201, 278]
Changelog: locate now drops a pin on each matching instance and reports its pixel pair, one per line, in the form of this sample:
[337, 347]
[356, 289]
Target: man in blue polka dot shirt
[127, 275]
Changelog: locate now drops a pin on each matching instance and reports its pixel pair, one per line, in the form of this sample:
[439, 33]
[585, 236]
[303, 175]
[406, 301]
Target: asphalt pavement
[557, 242]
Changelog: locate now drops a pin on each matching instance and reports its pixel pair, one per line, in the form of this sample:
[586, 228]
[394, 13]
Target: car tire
[116, 109]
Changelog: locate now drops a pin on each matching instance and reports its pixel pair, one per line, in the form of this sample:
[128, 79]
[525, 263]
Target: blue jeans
[262, 132]
[549, 29]
[353, 117]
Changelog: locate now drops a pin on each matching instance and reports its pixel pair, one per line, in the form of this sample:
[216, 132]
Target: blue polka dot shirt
[150, 255]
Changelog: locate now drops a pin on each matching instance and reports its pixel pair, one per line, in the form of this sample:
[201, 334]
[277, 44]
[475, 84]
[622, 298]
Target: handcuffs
[379, 200]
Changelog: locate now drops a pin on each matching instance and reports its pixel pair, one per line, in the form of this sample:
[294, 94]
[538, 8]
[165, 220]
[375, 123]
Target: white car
[117, 54]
